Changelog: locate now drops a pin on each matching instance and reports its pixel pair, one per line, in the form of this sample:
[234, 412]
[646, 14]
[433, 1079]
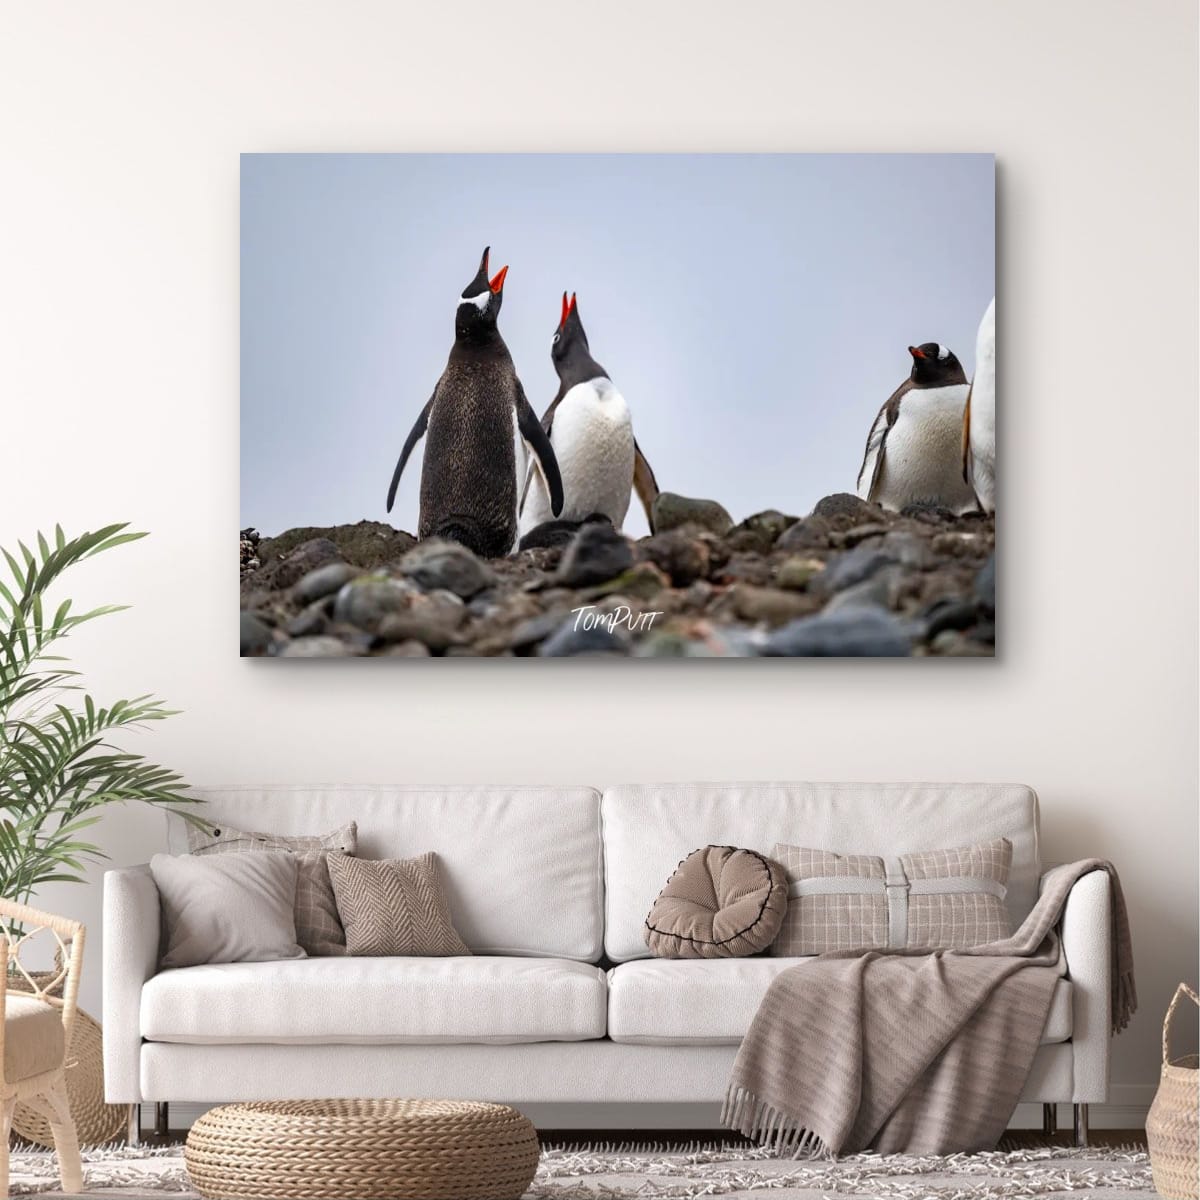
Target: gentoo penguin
[914, 450]
[590, 428]
[979, 420]
[469, 475]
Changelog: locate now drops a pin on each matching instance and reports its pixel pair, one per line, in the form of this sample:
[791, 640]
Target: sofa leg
[133, 1124]
[1049, 1119]
[162, 1119]
[1081, 1124]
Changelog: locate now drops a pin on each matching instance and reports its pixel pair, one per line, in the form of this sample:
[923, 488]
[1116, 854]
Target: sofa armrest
[132, 922]
[1086, 931]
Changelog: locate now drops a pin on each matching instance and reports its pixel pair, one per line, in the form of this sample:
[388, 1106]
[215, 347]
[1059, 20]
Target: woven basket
[1173, 1123]
[362, 1150]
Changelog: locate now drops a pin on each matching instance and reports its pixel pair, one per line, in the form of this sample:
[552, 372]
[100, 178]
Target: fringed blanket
[911, 1051]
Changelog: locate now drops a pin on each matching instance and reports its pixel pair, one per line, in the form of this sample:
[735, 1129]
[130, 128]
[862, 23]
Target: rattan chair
[35, 1036]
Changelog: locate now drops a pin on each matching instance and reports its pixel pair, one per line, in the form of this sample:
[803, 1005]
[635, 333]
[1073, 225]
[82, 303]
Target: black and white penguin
[914, 449]
[591, 430]
[979, 420]
[469, 479]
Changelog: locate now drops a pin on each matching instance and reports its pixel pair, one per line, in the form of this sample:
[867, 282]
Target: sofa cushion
[33, 1037]
[318, 927]
[721, 902]
[712, 1001]
[379, 1000]
[648, 828]
[394, 906]
[508, 855]
[930, 900]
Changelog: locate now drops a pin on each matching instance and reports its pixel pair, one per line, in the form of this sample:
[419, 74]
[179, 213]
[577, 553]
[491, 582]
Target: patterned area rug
[648, 1173]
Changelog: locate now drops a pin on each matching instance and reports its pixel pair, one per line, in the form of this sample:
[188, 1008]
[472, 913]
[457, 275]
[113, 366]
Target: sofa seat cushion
[377, 1000]
[711, 1002]
[33, 1037]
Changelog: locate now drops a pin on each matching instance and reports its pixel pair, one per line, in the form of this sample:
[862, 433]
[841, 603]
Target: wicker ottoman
[362, 1150]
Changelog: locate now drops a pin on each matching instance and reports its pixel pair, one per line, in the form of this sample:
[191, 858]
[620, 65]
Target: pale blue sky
[754, 309]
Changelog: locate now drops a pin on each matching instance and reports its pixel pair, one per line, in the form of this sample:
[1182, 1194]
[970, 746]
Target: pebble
[768, 604]
[370, 598]
[318, 647]
[310, 620]
[985, 586]
[672, 511]
[569, 642]
[305, 558]
[795, 573]
[853, 566]
[597, 554]
[437, 564]
[324, 581]
[432, 619]
[256, 637]
[852, 633]
[847, 509]
[684, 558]
[759, 532]
[643, 581]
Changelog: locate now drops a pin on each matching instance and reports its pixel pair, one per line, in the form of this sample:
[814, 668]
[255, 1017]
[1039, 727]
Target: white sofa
[561, 1003]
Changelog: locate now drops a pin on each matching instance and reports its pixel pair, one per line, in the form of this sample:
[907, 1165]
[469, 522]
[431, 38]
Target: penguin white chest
[592, 436]
[922, 461]
[982, 431]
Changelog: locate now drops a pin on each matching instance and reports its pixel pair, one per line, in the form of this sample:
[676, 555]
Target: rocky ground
[847, 580]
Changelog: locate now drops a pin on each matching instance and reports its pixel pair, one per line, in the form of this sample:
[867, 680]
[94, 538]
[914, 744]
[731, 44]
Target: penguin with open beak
[914, 449]
[591, 430]
[469, 483]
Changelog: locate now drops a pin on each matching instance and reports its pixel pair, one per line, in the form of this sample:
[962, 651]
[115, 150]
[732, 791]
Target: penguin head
[935, 366]
[569, 333]
[479, 305]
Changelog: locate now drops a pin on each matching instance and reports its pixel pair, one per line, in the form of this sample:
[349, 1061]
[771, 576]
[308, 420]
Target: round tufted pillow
[721, 902]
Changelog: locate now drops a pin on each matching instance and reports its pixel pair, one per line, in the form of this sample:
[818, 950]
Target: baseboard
[1126, 1109]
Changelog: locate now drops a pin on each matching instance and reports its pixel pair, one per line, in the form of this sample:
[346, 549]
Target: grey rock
[759, 532]
[672, 511]
[643, 581]
[302, 560]
[365, 601]
[847, 510]
[951, 643]
[811, 533]
[367, 544]
[597, 554]
[439, 564]
[797, 572]
[949, 613]
[256, 637]
[406, 650]
[985, 586]
[557, 533]
[318, 647]
[569, 642]
[908, 549]
[684, 558]
[528, 633]
[432, 619]
[311, 620]
[772, 605]
[854, 566]
[324, 581]
[880, 591]
[855, 632]
[858, 533]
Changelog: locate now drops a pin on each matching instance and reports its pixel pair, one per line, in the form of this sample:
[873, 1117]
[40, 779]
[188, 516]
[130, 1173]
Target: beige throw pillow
[721, 902]
[930, 900]
[318, 928]
[394, 907]
[231, 908]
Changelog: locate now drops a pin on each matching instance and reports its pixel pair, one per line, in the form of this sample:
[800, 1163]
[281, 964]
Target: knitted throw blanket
[911, 1051]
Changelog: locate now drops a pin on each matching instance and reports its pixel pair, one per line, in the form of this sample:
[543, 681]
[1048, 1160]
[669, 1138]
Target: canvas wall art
[623, 406]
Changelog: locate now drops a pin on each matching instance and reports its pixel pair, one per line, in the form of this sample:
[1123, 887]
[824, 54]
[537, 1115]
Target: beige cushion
[33, 1037]
[712, 1002]
[931, 900]
[721, 902]
[227, 908]
[377, 1000]
[318, 928]
[394, 906]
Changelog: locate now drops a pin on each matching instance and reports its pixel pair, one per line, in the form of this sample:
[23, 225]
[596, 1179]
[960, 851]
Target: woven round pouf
[362, 1150]
[95, 1121]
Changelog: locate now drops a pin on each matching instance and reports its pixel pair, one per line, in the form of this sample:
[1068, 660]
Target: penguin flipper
[533, 433]
[877, 442]
[644, 483]
[418, 432]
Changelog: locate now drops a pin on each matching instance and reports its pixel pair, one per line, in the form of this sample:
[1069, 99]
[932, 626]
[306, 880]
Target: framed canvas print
[629, 406]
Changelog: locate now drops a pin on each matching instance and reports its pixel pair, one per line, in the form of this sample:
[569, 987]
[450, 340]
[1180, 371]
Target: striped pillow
[930, 900]
[394, 906]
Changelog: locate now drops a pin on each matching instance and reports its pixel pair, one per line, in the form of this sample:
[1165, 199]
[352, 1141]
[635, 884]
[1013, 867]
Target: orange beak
[566, 312]
[498, 279]
[571, 308]
[916, 352]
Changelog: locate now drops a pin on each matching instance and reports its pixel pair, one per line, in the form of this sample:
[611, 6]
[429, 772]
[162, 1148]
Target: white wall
[122, 125]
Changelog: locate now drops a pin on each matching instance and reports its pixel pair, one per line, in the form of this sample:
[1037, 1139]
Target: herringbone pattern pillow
[318, 928]
[394, 906]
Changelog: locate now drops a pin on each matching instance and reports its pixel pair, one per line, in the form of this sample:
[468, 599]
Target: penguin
[913, 453]
[979, 419]
[590, 427]
[469, 474]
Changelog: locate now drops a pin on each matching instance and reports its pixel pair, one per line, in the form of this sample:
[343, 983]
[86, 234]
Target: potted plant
[58, 769]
